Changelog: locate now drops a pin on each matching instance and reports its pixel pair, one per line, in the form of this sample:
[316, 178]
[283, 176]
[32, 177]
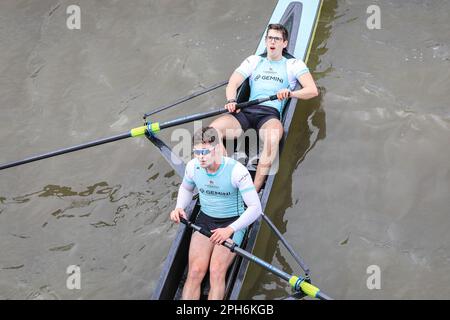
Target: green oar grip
[301, 284]
[153, 127]
[140, 131]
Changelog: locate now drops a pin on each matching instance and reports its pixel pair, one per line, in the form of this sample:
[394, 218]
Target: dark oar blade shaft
[176, 163]
[204, 115]
[287, 245]
[151, 128]
[296, 282]
[194, 117]
[322, 296]
[258, 261]
[66, 150]
[189, 97]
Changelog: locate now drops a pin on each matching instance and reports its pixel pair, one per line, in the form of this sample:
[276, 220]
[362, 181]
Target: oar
[299, 284]
[288, 246]
[189, 97]
[150, 128]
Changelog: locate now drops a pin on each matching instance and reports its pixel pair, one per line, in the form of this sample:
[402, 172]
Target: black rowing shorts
[211, 223]
[255, 116]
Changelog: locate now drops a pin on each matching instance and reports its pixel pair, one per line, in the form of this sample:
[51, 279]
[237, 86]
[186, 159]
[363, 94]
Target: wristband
[231, 100]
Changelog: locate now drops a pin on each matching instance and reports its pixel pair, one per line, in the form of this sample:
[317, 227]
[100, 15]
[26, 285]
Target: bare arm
[308, 90]
[235, 81]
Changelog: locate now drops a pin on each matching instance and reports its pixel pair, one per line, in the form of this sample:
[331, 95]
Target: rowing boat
[300, 18]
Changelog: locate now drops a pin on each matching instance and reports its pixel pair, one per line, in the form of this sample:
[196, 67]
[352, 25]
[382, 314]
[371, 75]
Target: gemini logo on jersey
[214, 193]
[270, 78]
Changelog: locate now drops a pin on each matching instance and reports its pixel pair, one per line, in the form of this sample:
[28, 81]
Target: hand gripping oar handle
[206, 233]
[256, 101]
[203, 231]
[156, 126]
[296, 282]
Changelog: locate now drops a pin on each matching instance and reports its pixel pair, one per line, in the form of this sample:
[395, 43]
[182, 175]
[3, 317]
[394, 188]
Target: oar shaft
[204, 115]
[150, 128]
[194, 117]
[260, 262]
[287, 245]
[189, 97]
[322, 296]
[66, 150]
[240, 252]
[298, 283]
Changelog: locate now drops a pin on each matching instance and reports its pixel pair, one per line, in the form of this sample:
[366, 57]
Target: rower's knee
[273, 140]
[197, 273]
[217, 273]
[219, 126]
[220, 131]
[271, 144]
[271, 136]
[227, 127]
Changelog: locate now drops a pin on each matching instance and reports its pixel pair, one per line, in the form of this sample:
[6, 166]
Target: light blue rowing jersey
[267, 77]
[220, 192]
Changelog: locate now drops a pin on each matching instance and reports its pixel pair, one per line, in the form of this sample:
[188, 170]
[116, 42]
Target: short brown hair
[278, 27]
[206, 135]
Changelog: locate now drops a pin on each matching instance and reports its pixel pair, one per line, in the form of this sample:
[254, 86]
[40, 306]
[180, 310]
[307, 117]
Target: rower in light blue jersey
[269, 76]
[273, 72]
[224, 185]
[221, 191]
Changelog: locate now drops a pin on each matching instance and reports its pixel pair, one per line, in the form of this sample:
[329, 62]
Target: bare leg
[199, 255]
[270, 133]
[221, 259]
[228, 127]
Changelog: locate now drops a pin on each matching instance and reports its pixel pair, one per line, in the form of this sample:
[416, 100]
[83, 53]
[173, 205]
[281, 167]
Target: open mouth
[272, 47]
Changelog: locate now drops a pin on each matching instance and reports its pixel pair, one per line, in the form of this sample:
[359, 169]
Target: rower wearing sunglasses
[224, 185]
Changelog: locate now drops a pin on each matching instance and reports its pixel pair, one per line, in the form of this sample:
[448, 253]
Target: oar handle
[149, 128]
[203, 231]
[299, 284]
[204, 115]
[256, 101]
[207, 233]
